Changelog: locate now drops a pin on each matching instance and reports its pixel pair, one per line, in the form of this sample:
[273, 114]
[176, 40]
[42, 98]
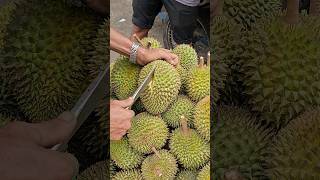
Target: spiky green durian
[282, 66]
[187, 56]
[239, 144]
[186, 175]
[7, 9]
[45, 53]
[182, 106]
[123, 155]
[294, 153]
[163, 88]
[98, 171]
[204, 173]
[202, 118]
[191, 150]
[100, 54]
[124, 77]
[183, 77]
[248, 12]
[159, 166]
[198, 82]
[147, 131]
[153, 42]
[128, 175]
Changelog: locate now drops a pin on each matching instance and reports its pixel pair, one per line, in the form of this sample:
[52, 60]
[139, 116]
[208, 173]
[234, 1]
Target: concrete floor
[121, 20]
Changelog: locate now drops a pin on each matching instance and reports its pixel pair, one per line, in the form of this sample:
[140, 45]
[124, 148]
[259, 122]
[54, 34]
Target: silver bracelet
[133, 53]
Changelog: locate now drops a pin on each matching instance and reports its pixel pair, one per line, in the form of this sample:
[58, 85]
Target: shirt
[191, 3]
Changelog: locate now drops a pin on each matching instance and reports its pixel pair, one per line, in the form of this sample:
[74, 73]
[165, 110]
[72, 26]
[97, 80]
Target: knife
[143, 85]
[88, 101]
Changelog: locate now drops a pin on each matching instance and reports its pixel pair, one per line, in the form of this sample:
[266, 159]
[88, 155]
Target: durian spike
[184, 125]
[315, 7]
[292, 16]
[201, 63]
[137, 39]
[155, 152]
[208, 59]
[218, 8]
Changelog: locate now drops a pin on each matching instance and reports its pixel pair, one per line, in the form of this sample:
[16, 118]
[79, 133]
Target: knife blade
[88, 101]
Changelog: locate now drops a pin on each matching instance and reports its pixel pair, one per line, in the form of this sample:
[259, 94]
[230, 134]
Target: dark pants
[182, 17]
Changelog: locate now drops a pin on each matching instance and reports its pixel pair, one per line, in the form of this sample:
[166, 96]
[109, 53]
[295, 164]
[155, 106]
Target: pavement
[121, 20]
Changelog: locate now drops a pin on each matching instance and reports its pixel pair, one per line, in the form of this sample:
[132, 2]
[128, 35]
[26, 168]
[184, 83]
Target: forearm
[119, 43]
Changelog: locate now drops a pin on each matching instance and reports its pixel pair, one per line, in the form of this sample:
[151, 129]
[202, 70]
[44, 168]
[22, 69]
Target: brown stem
[148, 45]
[292, 16]
[314, 7]
[218, 7]
[155, 152]
[201, 63]
[137, 38]
[184, 125]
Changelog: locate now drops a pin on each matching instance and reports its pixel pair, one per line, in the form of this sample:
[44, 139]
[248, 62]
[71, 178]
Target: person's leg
[183, 20]
[144, 13]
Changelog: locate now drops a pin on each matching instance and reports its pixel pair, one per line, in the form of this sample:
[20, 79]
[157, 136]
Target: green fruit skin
[154, 43]
[163, 89]
[159, 168]
[186, 175]
[98, 170]
[128, 175]
[187, 56]
[294, 152]
[147, 131]
[124, 77]
[123, 155]
[183, 106]
[198, 83]
[204, 173]
[202, 118]
[191, 150]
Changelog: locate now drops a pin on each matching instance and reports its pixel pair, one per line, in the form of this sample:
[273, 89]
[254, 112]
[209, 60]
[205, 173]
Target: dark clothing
[183, 18]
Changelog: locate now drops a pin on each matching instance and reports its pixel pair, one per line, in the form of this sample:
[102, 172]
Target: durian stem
[218, 8]
[138, 39]
[148, 45]
[184, 125]
[208, 59]
[314, 8]
[201, 63]
[292, 16]
[155, 152]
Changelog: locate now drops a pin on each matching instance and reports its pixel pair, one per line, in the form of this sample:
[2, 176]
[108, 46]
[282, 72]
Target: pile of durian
[266, 84]
[50, 51]
[170, 133]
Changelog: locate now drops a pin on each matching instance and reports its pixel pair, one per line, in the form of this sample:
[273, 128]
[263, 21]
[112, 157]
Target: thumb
[125, 103]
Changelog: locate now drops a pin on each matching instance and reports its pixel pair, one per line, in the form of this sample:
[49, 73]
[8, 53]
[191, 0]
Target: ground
[121, 20]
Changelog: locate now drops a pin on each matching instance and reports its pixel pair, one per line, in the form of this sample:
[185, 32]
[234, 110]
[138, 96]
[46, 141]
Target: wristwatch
[133, 52]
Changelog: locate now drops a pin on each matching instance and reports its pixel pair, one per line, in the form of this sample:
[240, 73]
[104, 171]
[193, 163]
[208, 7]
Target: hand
[146, 56]
[24, 153]
[120, 118]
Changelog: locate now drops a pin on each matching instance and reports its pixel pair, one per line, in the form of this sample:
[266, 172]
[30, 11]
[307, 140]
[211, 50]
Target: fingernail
[67, 116]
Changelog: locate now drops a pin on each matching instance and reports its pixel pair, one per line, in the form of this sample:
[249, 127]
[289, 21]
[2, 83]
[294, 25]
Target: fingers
[118, 134]
[124, 103]
[169, 57]
[47, 133]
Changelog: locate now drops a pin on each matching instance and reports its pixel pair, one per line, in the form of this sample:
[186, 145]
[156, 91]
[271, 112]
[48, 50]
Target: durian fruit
[248, 12]
[183, 77]
[147, 131]
[191, 150]
[97, 171]
[154, 43]
[186, 175]
[128, 175]
[187, 56]
[294, 153]
[239, 144]
[159, 166]
[282, 62]
[202, 118]
[123, 155]
[204, 173]
[198, 82]
[100, 54]
[163, 88]
[45, 53]
[7, 9]
[124, 77]
[182, 106]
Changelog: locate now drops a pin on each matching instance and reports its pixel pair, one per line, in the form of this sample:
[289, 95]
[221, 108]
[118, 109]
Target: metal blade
[144, 84]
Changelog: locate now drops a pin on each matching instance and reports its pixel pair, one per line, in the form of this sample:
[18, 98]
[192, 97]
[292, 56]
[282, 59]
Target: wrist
[141, 55]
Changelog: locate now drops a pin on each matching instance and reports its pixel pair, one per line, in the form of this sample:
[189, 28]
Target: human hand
[146, 56]
[25, 153]
[120, 118]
